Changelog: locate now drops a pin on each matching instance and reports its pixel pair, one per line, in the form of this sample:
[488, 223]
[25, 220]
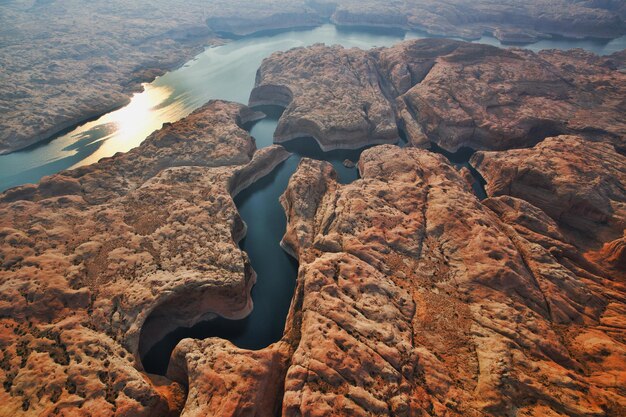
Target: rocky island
[413, 296]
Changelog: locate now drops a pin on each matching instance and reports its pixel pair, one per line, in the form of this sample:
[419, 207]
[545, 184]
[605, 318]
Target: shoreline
[223, 38]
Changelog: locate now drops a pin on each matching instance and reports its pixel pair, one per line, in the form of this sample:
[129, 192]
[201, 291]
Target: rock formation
[99, 263]
[455, 94]
[226, 381]
[415, 299]
[509, 20]
[311, 81]
[579, 184]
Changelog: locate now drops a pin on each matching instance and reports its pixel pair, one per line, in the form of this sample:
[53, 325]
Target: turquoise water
[223, 72]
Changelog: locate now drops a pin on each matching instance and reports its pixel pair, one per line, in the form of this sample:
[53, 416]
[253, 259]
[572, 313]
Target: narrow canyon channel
[228, 72]
[276, 271]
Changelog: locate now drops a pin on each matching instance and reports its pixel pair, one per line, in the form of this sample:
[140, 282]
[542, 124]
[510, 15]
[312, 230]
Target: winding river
[228, 72]
[260, 208]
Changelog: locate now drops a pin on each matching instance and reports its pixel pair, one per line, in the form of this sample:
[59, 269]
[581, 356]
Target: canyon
[413, 296]
[94, 259]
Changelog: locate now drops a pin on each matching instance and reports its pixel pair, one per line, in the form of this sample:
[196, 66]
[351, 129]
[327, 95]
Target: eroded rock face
[579, 184]
[226, 381]
[456, 94]
[310, 80]
[414, 298]
[98, 263]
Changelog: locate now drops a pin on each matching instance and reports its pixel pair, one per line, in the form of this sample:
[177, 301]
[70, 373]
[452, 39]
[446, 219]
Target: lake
[224, 72]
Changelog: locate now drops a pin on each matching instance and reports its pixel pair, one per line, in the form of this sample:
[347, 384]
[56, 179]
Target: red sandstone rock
[308, 80]
[580, 184]
[98, 263]
[414, 298]
[226, 381]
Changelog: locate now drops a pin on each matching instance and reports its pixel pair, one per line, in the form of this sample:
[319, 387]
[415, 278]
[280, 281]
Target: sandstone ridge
[413, 297]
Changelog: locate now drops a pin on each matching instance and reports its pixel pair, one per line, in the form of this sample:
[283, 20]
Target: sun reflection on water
[224, 72]
[129, 126]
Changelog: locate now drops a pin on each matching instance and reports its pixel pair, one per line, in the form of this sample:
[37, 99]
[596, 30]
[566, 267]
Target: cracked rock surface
[414, 298]
[581, 185]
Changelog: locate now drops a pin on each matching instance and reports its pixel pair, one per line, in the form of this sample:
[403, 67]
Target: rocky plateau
[578, 183]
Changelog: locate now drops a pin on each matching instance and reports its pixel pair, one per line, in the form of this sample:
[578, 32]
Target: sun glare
[133, 123]
[139, 117]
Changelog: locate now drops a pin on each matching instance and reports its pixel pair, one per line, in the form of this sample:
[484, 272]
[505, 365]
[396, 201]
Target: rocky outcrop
[98, 263]
[226, 381]
[455, 94]
[577, 183]
[211, 137]
[414, 298]
[311, 81]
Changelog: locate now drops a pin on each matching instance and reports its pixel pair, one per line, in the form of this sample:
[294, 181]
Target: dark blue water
[260, 208]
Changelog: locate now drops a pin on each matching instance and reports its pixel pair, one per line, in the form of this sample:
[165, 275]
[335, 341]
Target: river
[227, 72]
